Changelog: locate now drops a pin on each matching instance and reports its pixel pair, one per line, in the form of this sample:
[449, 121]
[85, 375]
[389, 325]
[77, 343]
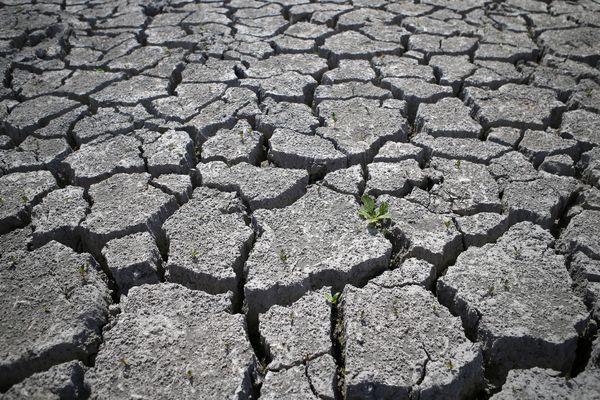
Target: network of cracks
[180, 184]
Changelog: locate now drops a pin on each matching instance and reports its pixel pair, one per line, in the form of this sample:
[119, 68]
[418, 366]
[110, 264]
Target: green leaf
[368, 203]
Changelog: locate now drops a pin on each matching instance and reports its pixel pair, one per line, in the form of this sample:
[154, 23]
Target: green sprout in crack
[332, 298]
[333, 117]
[99, 69]
[195, 254]
[283, 255]
[457, 164]
[370, 212]
[81, 270]
[449, 364]
[24, 199]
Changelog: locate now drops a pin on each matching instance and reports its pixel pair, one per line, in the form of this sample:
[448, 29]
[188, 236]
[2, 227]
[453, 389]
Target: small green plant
[449, 364]
[333, 117]
[24, 199]
[332, 298]
[241, 135]
[189, 375]
[457, 164]
[371, 212]
[195, 254]
[13, 260]
[123, 361]
[99, 69]
[447, 223]
[283, 255]
[81, 270]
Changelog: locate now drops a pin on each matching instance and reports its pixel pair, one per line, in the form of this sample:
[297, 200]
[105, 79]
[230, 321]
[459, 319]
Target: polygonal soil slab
[133, 260]
[517, 106]
[172, 341]
[540, 201]
[63, 381]
[354, 45]
[54, 304]
[31, 114]
[538, 383]
[399, 342]
[359, 127]
[208, 242]
[290, 149]
[516, 296]
[317, 241]
[299, 332]
[19, 191]
[426, 235]
[232, 146]
[172, 152]
[582, 234]
[124, 204]
[258, 187]
[58, 216]
[448, 117]
[396, 179]
[103, 157]
[468, 187]
[312, 381]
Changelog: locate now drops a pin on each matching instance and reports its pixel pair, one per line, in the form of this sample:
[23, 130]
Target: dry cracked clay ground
[180, 184]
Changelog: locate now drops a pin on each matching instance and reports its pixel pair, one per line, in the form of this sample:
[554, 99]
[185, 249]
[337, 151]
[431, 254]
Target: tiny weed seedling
[457, 164]
[449, 364]
[332, 298]
[24, 199]
[195, 254]
[370, 212]
[123, 361]
[189, 375]
[81, 270]
[99, 69]
[333, 118]
[447, 223]
[283, 256]
[13, 260]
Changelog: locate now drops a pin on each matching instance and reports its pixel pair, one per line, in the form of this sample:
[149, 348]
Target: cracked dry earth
[180, 181]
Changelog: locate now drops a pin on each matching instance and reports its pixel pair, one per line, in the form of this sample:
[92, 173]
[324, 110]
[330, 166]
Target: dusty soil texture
[180, 185]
